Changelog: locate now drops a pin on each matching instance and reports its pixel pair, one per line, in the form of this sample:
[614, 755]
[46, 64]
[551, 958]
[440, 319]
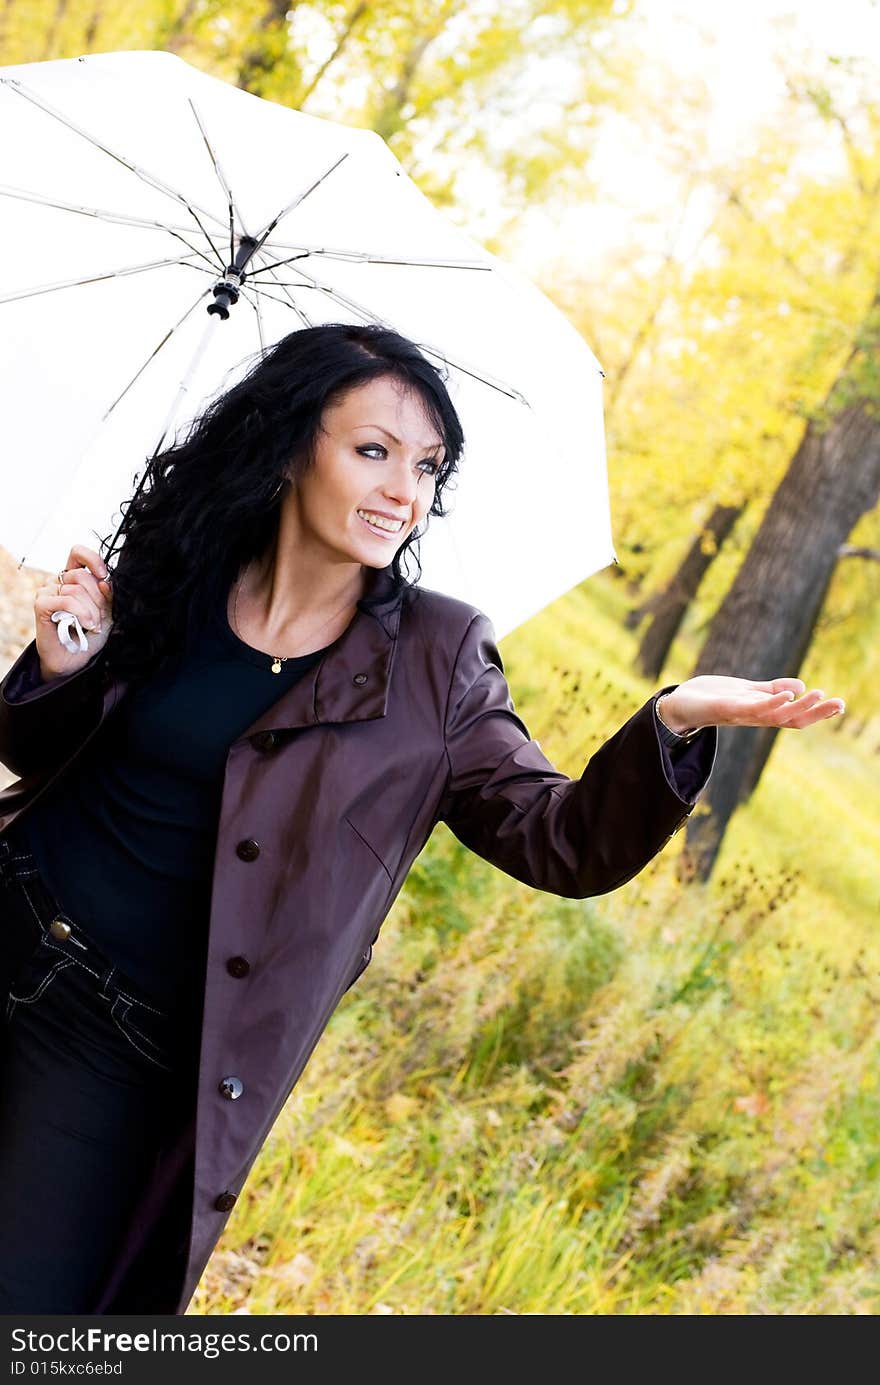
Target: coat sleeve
[39, 721]
[572, 837]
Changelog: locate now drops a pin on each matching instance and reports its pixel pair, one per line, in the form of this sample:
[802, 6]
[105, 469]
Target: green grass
[662, 1100]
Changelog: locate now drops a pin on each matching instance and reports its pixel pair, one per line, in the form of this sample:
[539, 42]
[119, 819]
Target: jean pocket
[136, 1022]
[17, 863]
[35, 978]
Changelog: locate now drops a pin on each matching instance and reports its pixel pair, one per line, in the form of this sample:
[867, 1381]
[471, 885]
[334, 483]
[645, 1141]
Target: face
[373, 479]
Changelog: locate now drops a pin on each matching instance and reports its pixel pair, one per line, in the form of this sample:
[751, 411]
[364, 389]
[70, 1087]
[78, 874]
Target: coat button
[359, 678]
[224, 1202]
[248, 850]
[59, 929]
[238, 966]
[231, 1087]
[264, 740]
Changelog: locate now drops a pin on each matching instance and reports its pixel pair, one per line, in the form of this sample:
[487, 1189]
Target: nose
[402, 485]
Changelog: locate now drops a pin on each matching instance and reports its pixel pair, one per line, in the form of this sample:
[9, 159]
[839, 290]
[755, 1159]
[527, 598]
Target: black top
[125, 839]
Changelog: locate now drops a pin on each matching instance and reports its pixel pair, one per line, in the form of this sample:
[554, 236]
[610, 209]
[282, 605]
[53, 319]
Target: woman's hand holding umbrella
[716, 700]
[82, 588]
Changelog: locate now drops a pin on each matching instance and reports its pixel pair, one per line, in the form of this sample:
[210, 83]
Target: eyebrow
[426, 446]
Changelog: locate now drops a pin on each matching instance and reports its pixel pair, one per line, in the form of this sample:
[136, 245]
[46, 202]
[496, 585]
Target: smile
[380, 525]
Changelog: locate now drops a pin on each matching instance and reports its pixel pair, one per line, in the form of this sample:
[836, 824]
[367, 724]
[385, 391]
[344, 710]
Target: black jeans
[91, 1072]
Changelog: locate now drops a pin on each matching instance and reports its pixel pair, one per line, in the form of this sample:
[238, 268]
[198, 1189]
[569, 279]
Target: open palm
[717, 700]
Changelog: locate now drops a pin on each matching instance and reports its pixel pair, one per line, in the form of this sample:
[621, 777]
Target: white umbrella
[130, 181]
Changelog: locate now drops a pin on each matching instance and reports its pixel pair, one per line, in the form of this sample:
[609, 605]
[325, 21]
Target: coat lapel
[351, 682]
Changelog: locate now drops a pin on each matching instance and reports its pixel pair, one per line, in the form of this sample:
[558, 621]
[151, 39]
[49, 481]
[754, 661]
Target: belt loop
[105, 982]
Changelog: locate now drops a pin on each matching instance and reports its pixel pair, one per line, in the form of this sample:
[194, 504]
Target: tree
[667, 608]
[765, 622]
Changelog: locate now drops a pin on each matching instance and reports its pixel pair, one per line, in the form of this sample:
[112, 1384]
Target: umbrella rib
[285, 303]
[204, 232]
[288, 300]
[363, 256]
[123, 218]
[139, 172]
[154, 353]
[96, 278]
[338, 297]
[277, 264]
[201, 254]
[489, 380]
[119, 218]
[264, 235]
[255, 304]
[341, 298]
[288, 296]
[370, 316]
[493, 383]
[222, 180]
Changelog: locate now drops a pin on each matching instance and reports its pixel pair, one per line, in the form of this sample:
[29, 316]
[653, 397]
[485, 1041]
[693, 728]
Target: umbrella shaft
[227, 289]
[181, 394]
[226, 293]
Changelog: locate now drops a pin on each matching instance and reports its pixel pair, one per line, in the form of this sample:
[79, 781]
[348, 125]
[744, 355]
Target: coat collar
[351, 682]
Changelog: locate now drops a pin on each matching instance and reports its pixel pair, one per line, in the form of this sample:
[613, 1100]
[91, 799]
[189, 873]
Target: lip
[382, 533]
[386, 514]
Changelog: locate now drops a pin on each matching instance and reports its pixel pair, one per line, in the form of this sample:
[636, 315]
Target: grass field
[661, 1100]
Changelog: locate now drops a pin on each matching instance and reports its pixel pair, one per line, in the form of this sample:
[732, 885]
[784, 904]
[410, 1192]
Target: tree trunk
[5, 15]
[52, 31]
[352, 20]
[763, 627]
[174, 35]
[270, 41]
[669, 606]
[762, 742]
[388, 119]
[92, 27]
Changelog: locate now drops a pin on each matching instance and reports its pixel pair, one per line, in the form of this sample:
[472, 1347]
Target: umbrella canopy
[131, 182]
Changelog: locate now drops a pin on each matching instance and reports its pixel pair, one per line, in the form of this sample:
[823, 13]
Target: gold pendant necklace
[277, 660]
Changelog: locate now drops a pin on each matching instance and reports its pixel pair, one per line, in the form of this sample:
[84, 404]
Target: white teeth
[392, 525]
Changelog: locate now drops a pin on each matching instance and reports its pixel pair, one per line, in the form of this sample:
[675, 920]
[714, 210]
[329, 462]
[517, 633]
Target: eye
[378, 447]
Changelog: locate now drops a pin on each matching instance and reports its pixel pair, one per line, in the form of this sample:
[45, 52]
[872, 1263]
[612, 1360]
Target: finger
[73, 598]
[85, 579]
[771, 703]
[82, 555]
[813, 707]
[795, 685]
[767, 709]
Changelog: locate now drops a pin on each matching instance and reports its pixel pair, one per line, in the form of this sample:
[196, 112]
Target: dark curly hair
[209, 503]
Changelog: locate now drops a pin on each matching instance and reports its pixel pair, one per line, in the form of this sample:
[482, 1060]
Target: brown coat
[328, 799]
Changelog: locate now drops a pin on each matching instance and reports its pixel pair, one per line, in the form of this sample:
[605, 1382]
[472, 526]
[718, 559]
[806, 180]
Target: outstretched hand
[715, 700]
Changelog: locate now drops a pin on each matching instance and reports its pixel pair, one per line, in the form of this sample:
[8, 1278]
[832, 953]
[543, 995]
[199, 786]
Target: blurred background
[665, 1099]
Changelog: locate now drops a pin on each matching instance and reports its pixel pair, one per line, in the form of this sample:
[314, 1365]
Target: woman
[219, 801]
